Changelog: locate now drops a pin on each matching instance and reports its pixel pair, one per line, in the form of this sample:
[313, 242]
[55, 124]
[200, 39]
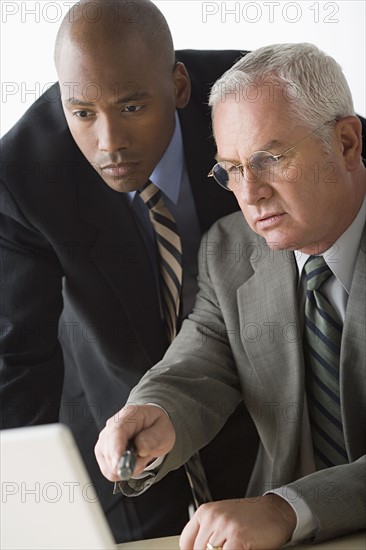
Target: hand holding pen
[131, 439]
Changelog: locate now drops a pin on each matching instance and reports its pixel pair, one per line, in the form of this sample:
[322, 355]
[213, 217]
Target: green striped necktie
[322, 342]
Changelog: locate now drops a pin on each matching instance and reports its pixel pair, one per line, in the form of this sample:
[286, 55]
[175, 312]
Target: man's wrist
[306, 523]
[286, 512]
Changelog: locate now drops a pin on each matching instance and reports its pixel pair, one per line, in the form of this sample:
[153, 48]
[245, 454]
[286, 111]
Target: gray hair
[311, 80]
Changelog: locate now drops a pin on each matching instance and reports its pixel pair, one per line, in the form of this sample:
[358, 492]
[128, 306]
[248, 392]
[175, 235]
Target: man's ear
[182, 85]
[349, 133]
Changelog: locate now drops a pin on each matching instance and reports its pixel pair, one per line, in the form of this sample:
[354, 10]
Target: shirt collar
[342, 255]
[167, 175]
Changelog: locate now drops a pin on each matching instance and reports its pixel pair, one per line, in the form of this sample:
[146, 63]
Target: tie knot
[151, 196]
[317, 272]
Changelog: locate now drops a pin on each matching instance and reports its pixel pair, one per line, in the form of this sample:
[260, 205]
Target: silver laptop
[47, 498]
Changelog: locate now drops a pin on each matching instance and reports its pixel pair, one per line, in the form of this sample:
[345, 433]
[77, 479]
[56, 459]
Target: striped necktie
[171, 271]
[170, 252]
[322, 342]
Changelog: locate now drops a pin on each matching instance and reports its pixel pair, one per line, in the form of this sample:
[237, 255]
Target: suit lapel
[271, 336]
[268, 303]
[121, 257]
[352, 366]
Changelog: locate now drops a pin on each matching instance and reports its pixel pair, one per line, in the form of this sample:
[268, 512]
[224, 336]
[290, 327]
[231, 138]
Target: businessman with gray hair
[279, 320]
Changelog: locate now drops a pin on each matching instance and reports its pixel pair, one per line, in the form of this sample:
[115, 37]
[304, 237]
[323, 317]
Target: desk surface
[357, 541]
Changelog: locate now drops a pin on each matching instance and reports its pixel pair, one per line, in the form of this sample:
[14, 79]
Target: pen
[127, 462]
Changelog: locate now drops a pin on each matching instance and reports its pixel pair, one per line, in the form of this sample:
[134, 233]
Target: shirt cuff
[152, 466]
[307, 524]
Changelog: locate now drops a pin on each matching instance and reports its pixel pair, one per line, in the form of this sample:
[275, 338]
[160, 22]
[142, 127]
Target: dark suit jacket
[80, 315]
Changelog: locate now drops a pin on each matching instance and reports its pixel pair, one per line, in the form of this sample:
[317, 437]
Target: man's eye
[82, 114]
[132, 108]
[233, 169]
[267, 160]
[272, 159]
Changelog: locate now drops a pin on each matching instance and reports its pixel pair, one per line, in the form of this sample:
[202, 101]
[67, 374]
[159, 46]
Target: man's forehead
[87, 97]
[86, 77]
[264, 111]
[241, 128]
[118, 93]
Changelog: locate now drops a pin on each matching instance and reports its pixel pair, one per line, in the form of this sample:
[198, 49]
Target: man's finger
[189, 534]
[155, 441]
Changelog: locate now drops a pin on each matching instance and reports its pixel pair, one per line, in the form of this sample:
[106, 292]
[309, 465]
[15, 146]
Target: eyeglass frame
[276, 157]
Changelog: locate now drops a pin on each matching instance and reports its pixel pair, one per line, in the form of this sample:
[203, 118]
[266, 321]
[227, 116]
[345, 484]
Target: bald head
[120, 87]
[92, 25]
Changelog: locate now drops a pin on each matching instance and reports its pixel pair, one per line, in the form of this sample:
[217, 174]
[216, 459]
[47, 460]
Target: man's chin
[123, 185]
[282, 245]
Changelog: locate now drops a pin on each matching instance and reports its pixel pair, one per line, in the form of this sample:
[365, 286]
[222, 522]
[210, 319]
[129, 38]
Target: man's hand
[261, 523]
[147, 425]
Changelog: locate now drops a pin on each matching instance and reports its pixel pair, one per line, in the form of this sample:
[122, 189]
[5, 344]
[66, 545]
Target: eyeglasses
[262, 164]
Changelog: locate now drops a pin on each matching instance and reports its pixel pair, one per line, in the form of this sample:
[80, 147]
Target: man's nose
[112, 135]
[253, 188]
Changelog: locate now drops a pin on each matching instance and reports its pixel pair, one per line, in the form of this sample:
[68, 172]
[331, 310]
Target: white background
[28, 30]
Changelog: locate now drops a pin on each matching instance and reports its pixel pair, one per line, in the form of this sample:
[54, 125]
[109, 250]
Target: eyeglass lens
[230, 175]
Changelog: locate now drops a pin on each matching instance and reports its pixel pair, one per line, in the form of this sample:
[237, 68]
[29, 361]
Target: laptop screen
[47, 498]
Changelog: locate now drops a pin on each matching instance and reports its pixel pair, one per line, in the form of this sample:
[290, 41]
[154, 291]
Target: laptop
[47, 498]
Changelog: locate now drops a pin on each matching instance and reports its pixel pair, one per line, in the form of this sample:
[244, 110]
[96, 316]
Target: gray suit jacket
[243, 341]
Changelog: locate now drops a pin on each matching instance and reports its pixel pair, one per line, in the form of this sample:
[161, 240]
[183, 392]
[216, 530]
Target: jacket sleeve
[31, 369]
[336, 497]
[196, 383]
